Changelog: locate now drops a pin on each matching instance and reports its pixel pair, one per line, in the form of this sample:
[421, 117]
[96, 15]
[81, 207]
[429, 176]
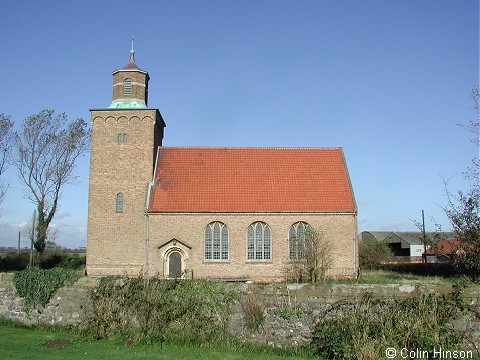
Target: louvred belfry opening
[130, 86]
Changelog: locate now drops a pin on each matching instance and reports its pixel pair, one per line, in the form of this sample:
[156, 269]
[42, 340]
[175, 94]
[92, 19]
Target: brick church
[209, 212]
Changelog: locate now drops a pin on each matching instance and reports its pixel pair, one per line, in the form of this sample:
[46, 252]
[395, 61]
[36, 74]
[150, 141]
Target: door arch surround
[173, 255]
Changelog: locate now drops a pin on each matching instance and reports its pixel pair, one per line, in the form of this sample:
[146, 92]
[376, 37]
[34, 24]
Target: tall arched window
[296, 240]
[127, 88]
[216, 241]
[119, 203]
[259, 243]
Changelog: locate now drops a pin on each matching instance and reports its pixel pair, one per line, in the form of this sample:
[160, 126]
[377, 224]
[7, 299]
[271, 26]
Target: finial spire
[131, 61]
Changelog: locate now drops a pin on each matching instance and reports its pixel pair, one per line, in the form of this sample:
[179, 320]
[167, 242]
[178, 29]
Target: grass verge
[384, 277]
[21, 342]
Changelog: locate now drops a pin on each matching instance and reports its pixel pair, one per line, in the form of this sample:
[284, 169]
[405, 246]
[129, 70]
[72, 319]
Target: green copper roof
[127, 104]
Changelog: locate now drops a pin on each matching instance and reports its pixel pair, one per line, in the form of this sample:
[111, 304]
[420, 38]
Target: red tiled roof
[131, 65]
[196, 179]
[444, 247]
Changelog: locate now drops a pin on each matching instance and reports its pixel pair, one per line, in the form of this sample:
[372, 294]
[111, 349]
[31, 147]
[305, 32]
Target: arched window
[216, 241]
[119, 203]
[296, 240]
[259, 242]
[127, 88]
[121, 138]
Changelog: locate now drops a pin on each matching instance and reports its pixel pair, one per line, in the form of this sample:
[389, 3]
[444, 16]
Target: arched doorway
[173, 259]
[174, 265]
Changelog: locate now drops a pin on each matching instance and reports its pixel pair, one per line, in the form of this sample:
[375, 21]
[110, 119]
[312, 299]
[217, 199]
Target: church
[227, 213]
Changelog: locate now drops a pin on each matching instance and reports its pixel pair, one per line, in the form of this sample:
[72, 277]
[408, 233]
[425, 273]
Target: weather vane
[133, 41]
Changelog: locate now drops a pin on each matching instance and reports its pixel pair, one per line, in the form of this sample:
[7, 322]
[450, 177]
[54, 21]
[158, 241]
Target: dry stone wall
[65, 308]
[290, 311]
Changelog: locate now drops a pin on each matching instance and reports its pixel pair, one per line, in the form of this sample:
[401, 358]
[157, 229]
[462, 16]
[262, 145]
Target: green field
[37, 343]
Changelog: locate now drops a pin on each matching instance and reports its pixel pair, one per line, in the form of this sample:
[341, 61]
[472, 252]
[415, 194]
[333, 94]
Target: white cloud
[66, 236]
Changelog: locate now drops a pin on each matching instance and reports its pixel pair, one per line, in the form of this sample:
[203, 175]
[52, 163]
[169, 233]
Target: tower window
[121, 138]
[119, 203]
[127, 88]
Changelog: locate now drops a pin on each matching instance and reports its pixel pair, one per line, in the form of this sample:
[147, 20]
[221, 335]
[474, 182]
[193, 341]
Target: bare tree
[473, 126]
[5, 147]
[312, 257]
[463, 209]
[428, 238]
[45, 152]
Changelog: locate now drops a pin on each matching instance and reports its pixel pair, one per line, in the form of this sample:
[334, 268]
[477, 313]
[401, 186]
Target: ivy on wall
[36, 286]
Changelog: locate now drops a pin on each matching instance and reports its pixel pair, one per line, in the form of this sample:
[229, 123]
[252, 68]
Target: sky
[388, 81]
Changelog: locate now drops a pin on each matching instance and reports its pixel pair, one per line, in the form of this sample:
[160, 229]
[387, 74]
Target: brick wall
[114, 240]
[139, 85]
[188, 230]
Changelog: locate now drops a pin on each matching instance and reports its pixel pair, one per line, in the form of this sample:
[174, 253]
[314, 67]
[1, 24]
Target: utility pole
[18, 246]
[424, 237]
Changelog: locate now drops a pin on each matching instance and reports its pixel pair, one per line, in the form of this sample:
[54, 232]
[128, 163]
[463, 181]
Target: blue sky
[386, 80]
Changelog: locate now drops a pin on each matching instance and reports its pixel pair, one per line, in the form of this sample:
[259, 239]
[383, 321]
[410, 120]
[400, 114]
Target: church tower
[124, 140]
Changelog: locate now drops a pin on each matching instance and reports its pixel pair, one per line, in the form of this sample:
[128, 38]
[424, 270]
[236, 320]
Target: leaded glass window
[296, 240]
[259, 242]
[119, 203]
[216, 241]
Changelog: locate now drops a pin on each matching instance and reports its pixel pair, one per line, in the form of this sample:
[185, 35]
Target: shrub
[14, 262]
[37, 286]
[311, 259]
[20, 261]
[73, 262]
[365, 329]
[48, 260]
[192, 311]
[253, 312]
[373, 253]
[436, 269]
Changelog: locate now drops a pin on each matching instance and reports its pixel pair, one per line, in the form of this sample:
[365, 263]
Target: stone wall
[290, 310]
[65, 308]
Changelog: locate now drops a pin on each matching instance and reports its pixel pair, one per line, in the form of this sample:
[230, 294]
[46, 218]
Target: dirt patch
[58, 343]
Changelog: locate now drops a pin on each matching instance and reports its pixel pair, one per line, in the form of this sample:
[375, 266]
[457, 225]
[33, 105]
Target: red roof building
[210, 212]
[444, 251]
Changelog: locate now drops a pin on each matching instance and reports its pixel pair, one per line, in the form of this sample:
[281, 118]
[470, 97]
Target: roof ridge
[253, 147]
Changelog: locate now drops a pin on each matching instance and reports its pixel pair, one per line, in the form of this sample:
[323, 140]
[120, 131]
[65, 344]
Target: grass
[384, 277]
[391, 277]
[21, 342]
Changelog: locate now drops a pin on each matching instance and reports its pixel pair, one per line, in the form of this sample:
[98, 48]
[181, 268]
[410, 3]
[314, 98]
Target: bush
[190, 311]
[437, 269]
[14, 262]
[73, 262]
[48, 260]
[254, 317]
[373, 253]
[20, 261]
[365, 329]
[37, 286]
